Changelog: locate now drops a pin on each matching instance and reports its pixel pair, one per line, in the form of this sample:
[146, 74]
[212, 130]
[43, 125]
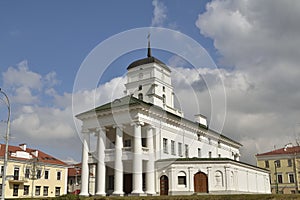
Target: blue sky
[43, 44]
[57, 36]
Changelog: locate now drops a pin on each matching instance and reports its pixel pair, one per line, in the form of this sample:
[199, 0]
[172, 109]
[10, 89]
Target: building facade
[74, 179]
[32, 173]
[284, 166]
[144, 144]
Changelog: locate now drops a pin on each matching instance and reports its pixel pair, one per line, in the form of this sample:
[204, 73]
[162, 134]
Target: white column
[101, 175]
[118, 190]
[84, 191]
[150, 176]
[137, 162]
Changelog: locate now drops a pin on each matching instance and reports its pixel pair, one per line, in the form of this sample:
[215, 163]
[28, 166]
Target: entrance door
[200, 183]
[127, 183]
[164, 185]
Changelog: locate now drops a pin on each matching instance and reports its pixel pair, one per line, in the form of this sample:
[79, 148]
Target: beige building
[32, 173]
[284, 165]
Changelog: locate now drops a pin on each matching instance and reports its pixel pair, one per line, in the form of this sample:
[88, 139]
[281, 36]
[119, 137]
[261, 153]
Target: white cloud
[261, 41]
[159, 13]
[47, 120]
[50, 79]
[22, 77]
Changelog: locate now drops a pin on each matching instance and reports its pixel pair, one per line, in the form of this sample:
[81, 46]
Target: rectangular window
[290, 163]
[27, 173]
[279, 178]
[16, 173]
[277, 163]
[209, 154]
[2, 168]
[46, 174]
[219, 144]
[58, 175]
[111, 182]
[179, 148]
[37, 190]
[165, 145]
[26, 190]
[267, 164]
[186, 150]
[144, 142]
[181, 180]
[199, 137]
[45, 191]
[199, 153]
[38, 174]
[0, 189]
[57, 191]
[291, 178]
[16, 190]
[173, 147]
[127, 143]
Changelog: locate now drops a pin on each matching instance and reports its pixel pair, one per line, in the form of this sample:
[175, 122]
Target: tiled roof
[72, 171]
[282, 151]
[42, 157]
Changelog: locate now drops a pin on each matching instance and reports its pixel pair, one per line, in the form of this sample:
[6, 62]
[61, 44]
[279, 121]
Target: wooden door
[164, 185]
[200, 183]
[127, 183]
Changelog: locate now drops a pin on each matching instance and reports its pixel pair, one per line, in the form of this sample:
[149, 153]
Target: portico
[117, 145]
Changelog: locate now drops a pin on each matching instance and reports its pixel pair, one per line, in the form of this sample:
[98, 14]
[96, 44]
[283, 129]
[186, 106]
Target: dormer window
[140, 87]
[140, 96]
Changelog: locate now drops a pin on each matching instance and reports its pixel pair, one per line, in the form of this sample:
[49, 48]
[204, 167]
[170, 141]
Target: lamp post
[6, 146]
[276, 178]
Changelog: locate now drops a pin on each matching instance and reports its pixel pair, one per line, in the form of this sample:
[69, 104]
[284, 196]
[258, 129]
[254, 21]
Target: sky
[254, 44]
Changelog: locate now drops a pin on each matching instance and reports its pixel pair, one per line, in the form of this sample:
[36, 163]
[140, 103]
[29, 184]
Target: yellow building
[284, 168]
[32, 173]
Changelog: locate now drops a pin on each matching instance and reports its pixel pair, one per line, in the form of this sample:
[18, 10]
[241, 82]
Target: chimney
[23, 146]
[201, 119]
[35, 153]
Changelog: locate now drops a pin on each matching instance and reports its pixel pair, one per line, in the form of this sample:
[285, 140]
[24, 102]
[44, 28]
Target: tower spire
[149, 48]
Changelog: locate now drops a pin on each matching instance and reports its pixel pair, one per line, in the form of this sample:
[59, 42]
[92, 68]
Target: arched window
[164, 98]
[219, 178]
[181, 178]
[164, 89]
[140, 96]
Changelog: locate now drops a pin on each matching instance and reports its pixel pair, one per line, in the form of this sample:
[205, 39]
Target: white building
[146, 147]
